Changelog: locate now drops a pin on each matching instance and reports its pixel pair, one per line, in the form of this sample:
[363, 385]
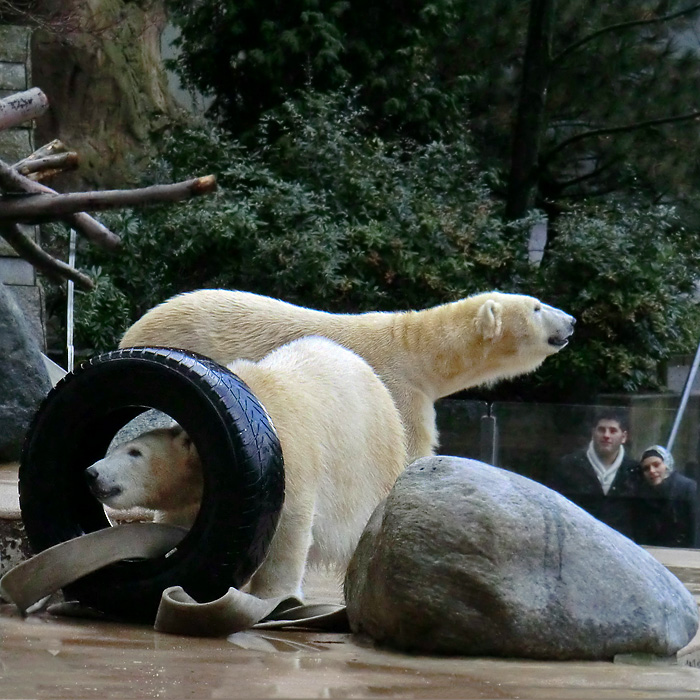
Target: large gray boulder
[466, 558]
[24, 380]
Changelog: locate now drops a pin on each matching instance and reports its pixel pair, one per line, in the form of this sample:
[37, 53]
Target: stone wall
[17, 274]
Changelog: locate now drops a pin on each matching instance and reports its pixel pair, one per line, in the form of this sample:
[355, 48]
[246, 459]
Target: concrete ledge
[14, 547]
[9, 494]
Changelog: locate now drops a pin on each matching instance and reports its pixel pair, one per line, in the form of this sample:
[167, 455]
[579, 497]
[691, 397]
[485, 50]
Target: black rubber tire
[241, 458]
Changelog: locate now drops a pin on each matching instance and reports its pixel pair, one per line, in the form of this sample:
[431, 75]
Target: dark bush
[322, 214]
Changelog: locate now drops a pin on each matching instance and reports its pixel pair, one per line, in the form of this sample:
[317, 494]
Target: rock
[24, 381]
[149, 420]
[466, 558]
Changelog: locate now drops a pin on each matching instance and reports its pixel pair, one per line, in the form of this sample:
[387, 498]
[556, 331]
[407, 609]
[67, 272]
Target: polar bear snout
[561, 338]
[101, 486]
[118, 480]
[561, 326]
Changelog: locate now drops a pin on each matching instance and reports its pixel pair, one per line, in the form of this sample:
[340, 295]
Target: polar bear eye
[538, 307]
[133, 452]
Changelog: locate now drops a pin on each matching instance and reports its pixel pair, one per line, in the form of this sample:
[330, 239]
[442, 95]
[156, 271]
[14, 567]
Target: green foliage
[599, 78]
[321, 214]
[252, 56]
[102, 313]
[417, 66]
[628, 276]
[325, 215]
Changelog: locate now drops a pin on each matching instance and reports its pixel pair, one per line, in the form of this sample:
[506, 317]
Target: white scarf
[606, 474]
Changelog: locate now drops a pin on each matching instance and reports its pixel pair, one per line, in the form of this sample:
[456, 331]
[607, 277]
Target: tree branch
[615, 130]
[84, 224]
[53, 268]
[563, 184]
[21, 107]
[621, 26]
[40, 168]
[48, 149]
[34, 208]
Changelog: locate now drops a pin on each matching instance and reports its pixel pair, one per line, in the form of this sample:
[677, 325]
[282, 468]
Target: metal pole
[690, 379]
[71, 295]
[488, 434]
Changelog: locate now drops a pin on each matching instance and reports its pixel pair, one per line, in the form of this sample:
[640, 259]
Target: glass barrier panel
[575, 450]
[460, 428]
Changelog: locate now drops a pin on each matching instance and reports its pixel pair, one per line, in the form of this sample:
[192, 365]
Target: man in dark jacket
[601, 478]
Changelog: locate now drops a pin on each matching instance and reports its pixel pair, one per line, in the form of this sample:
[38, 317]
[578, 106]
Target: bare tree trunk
[100, 65]
[529, 122]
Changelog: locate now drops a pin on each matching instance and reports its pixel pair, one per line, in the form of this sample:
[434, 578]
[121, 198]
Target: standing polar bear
[343, 447]
[421, 356]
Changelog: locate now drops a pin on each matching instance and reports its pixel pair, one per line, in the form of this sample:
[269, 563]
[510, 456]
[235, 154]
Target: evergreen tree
[252, 56]
[567, 100]
[597, 100]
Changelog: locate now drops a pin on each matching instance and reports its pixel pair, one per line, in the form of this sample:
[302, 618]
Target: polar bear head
[159, 470]
[525, 319]
[517, 332]
[487, 337]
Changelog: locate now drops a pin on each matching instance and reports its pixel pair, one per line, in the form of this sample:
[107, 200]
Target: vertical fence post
[488, 438]
[69, 312]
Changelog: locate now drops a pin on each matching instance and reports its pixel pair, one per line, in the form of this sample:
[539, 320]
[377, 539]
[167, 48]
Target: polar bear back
[420, 356]
[341, 435]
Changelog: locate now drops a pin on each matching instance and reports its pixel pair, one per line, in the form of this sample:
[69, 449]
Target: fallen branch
[84, 224]
[35, 208]
[28, 201]
[53, 268]
[21, 107]
[48, 166]
[48, 149]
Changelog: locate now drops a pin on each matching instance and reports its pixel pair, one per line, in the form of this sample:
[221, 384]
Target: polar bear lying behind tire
[420, 356]
[343, 446]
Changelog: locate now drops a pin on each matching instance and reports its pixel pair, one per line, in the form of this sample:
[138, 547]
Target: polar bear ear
[489, 319]
[184, 440]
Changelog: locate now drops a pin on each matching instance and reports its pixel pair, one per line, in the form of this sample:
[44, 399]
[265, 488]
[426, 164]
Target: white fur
[343, 447]
[159, 466]
[421, 356]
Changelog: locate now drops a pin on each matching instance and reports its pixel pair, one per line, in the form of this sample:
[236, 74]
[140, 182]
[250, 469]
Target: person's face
[654, 470]
[607, 438]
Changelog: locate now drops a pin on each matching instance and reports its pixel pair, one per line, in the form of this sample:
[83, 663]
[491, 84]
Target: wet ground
[44, 656]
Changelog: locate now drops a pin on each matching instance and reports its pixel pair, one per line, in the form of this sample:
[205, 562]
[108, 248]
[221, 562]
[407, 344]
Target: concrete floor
[44, 656]
[49, 657]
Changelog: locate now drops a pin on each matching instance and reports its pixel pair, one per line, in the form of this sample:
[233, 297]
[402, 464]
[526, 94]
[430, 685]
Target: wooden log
[40, 168]
[21, 107]
[84, 224]
[35, 208]
[48, 149]
[53, 268]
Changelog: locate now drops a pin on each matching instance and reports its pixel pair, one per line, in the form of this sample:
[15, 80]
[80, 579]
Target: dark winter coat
[668, 512]
[576, 479]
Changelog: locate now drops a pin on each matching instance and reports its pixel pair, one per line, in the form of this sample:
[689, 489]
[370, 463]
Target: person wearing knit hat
[668, 502]
[659, 467]
[602, 478]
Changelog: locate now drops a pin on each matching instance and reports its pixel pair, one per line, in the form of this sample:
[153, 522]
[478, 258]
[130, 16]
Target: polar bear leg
[282, 572]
